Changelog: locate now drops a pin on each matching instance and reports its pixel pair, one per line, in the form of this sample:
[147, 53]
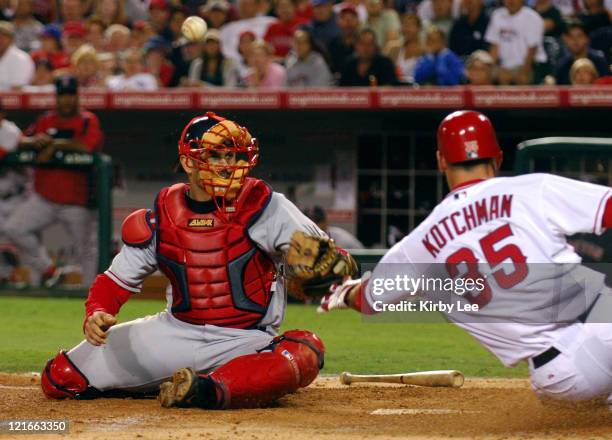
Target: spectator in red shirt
[60, 195]
[280, 33]
[51, 48]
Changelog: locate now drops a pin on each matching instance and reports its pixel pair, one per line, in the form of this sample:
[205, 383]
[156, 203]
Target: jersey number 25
[494, 257]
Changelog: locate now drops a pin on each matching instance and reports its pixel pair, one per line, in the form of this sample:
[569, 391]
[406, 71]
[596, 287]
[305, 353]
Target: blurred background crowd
[137, 44]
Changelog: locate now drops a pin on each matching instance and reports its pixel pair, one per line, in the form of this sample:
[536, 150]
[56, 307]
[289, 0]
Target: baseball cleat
[180, 390]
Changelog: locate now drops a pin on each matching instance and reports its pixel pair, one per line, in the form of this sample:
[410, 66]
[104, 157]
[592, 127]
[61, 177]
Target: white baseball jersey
[271, 232]
[499, 225]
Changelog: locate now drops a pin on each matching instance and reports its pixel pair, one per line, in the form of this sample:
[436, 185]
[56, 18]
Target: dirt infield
[483, 408]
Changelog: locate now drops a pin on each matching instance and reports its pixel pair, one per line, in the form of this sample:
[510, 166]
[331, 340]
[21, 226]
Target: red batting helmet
[467, 135]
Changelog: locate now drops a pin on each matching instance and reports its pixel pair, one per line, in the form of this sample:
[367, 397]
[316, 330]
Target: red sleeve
[93, 136]
[606, 220]
[105, 295]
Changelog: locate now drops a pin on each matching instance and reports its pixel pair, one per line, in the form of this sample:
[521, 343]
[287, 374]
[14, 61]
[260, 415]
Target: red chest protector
[218, 275]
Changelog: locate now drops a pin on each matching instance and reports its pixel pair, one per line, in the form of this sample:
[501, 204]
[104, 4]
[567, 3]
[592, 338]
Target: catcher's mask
[223, 152]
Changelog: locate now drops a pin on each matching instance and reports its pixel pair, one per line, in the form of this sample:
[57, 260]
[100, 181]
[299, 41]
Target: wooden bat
[441, 378]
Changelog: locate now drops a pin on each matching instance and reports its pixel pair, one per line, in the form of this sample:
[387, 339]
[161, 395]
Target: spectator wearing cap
[43, 77]
[341, 237]
[117, 37]
[212, 68]
[141, 32]
[406, 52]
[156, 49]
[94, 35]
[246, 42]
[216, 13]
[439, 66]
[71, 10]
[110, 12]
[16, 66]
[342, 47]
[323, 27]
[306, 64]
[27, 28]
[280, 33]
[250, 20]
[51, 47]
[264, 73]
[73, 36]
[60, 195]
[594, 16]
[515, 34]
[134, 76]
[383, 21]
[468, 32]
[86, 67]
[577, 42]
[367, 67]
[479, 68]
[355, 5]
[583, 72]
[553, 21]
[159, 16]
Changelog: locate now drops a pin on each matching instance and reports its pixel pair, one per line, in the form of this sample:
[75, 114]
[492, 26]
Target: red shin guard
[61, 379]
[257, 379]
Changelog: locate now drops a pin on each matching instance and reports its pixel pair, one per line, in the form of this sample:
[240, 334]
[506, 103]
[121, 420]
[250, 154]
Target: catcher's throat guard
[223, 153]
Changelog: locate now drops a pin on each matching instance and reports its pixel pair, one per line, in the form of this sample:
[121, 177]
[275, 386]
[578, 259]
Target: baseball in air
[194, 28]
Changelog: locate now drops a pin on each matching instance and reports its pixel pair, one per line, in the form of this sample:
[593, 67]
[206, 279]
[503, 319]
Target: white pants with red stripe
[140, 354]
[29, 218]
[583, 369]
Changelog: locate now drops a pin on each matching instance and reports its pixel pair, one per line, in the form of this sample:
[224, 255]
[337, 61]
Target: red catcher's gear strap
[105, 295]
[606, 220]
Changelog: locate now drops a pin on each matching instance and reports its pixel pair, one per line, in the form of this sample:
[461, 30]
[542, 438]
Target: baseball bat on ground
[441, 378]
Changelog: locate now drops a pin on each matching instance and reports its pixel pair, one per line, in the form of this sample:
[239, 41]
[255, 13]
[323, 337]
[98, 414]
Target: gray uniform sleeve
[281, 218]
[132, 265]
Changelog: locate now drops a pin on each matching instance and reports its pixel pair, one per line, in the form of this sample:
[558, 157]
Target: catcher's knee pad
[61, 379]
[249, 381]
[307, 351]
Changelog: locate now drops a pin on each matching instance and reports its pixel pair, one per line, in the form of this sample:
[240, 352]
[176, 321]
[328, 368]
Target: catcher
[223, 240]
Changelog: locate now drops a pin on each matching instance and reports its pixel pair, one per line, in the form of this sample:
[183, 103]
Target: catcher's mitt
[314, 263]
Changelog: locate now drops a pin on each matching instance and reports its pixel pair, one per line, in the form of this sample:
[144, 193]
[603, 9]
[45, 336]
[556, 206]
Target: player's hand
[96, 327]
[337, 297]
[41, 141]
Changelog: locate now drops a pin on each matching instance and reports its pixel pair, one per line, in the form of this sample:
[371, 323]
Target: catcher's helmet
[467, 135]
[209, 135]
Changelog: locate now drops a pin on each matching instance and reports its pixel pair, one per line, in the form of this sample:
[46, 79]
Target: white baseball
[194, 28]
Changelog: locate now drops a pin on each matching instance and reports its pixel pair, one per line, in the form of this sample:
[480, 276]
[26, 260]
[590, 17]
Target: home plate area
[482, 408]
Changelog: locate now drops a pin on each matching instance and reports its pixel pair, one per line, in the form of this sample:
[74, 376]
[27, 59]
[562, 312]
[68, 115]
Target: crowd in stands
[137, 44]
